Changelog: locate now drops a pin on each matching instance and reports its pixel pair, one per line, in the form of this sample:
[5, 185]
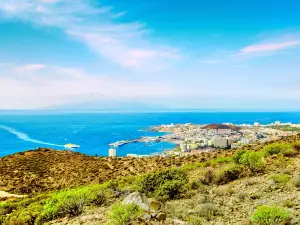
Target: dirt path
[4, 194]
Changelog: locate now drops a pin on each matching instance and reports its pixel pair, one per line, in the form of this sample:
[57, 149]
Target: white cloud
[123, 43]
[268, 47]
[211, 61]
[30, 67]
[57, 85]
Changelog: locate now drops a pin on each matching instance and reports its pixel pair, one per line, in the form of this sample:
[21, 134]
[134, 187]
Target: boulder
[161, 216]
[138, 199]
[154, 205]
[176, 222]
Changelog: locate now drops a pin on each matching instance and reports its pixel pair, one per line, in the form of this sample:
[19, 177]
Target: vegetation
[69, 202]
[296, 180]
[232, 172]
[166, 184]
[221, 186]
[254, 161]
[121, 213]
[286, 128]
[270, 215]
[280, 178]
[279, 148]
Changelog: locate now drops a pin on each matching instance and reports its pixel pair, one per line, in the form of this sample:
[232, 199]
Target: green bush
[171, 189]
[46, 207]
[296, 146]
[69, 202]
[237, 156]
[162, 181]
[279, 148]
[26, 215]
[280, 178]
[120, 213]
[232, 172]
[72, 201]
[254, 161]
[218, 161]
[270, 215]
[195, 220]
[8, 206]
[209, 176]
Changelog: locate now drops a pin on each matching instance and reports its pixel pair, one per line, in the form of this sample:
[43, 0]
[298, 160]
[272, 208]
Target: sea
[95, 131]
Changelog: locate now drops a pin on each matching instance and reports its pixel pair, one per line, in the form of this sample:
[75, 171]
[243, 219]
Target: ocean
[94, 131]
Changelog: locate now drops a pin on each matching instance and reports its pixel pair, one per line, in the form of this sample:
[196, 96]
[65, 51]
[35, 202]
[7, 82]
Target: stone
[146, 217]
[153, 215]
[161, 216]
[177, 222]
[154, 205]
[138, 199]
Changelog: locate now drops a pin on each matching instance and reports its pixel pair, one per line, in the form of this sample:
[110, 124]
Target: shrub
[280, 178]
[65, 203]
[296, 180]
[219, 160]
[171, 189]
[120, 214]
[73, 206]
[270, 215]
[26, 215]
[228, 174]
[237, 156]
[98, 199]
[253, 161]
[195, 185]
[296, 146]
[279, 148]
[207, 210]
[209, 176]
[194, 220]
[151, 182]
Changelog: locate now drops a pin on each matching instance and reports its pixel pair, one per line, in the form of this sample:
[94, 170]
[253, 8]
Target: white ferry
[71, 146]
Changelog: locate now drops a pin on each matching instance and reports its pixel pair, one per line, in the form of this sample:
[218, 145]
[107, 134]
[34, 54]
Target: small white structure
[112, 152]
[277, 123]
[256, 124]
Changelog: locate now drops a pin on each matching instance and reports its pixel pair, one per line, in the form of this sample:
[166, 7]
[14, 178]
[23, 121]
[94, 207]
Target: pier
[142, 139]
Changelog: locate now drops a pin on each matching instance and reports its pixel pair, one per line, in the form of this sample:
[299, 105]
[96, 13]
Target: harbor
[141, 139]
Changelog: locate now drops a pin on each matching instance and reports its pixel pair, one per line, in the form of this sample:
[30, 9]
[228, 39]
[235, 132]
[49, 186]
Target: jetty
[142, 139]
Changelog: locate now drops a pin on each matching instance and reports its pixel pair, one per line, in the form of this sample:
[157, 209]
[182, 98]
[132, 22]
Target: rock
[146, 217]
[161, 216]
[138, 199]
[176, 222]
[154, 205]
[153, 215]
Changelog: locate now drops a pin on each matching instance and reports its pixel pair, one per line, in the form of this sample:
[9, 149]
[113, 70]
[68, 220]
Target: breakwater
[142, 139]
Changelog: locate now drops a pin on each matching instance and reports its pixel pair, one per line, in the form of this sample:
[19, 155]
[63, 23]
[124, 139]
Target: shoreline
[196, 138]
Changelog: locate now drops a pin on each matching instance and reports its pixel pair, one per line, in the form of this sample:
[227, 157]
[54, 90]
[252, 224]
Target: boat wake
[25, 137]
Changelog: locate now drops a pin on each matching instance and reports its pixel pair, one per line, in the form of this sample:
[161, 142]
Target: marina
[142, 139]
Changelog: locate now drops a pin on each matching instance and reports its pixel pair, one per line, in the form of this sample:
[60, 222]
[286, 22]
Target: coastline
[194, 138]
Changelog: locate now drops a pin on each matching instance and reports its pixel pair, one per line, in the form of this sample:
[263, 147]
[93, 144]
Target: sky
[183, 54]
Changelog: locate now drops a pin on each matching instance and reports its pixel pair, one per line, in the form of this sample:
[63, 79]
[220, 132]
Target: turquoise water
[93, 132]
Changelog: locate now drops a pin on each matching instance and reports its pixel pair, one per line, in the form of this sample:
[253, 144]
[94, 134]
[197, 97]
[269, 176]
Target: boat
[70, 145]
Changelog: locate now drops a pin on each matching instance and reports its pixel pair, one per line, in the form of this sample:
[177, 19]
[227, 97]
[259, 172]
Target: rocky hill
[253, 185]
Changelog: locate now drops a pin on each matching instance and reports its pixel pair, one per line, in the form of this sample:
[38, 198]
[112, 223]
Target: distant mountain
[104, 105]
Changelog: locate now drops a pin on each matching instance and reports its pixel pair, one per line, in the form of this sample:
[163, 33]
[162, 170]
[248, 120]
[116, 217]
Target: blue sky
[185, 54]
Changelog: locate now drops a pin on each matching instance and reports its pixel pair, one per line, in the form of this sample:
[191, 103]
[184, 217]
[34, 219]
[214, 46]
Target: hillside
[254, 185]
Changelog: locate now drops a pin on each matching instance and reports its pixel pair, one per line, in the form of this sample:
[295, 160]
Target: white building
[256, 124]
[112, 152]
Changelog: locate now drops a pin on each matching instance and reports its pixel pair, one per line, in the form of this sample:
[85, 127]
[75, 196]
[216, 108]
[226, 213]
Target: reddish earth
[46, 169]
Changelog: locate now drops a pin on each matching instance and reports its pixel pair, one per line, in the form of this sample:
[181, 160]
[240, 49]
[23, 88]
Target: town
[192, 138]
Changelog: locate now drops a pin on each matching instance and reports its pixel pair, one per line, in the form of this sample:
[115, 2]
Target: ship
[70, 145]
